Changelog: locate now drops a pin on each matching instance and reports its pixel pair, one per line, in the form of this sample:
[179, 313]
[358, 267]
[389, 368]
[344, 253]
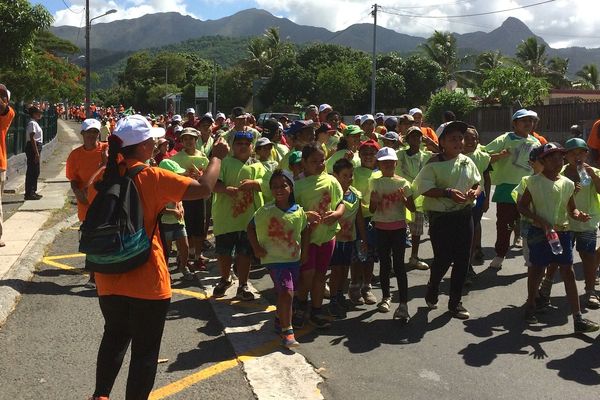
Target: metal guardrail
[16, 137]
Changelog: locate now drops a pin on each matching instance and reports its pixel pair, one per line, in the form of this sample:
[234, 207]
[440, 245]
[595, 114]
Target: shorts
[342, 253]
[319, 257]
[228, 243]
[371, 242]
[585, 242]
[540, 253]
[194, 217]
[285, 276]
[524, 225]
[416, 225]
[172, 232]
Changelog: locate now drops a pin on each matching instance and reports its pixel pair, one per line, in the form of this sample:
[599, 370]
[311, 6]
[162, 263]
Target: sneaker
[198, 265]
[408, 243]
[221, 287]
[188, 275]
[207, 245]
[430, 299]
[244, 293]
[319, 321]
[341, 300]
[541, 303]
[402, 312]
[518, 242]
[336, 311]
[298, 318]
[592, 301]
[583, 325]
[99, 398]
[477, 258]
[414, 262]
[355, 296]
[33, 196]
[545, 288]
[288, 340]
[91, 284]
[497, 262]
[368, 296]
[326, 292]
[530, 317]
[384, 305]
[459, 312]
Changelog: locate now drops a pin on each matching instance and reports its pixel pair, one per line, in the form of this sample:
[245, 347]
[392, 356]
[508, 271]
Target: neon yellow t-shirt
[352, 201]
[512, 168]
[338, 155]
[409, 166]
[232, 214]
[550, 198]
[389, 188]
[459, 173]
[188, 162]
[205, 148]
[587, 201]
[279, 232]
[481, 160]
[279, 150]
[362, 181]
[320, 193]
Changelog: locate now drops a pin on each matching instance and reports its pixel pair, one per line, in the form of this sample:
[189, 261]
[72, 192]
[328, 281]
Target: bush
[445, 100]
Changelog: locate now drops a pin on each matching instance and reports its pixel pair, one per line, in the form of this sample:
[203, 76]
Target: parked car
[264, 116]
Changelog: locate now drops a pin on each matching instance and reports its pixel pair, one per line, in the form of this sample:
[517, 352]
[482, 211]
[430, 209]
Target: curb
[19, 275]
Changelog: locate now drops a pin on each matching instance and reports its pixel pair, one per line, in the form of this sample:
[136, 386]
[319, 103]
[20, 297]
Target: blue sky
[561, 23]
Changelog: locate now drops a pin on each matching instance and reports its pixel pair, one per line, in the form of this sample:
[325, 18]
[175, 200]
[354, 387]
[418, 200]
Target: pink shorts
[319, 257]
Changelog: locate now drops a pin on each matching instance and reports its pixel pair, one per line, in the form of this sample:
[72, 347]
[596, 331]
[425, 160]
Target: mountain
[157, 30]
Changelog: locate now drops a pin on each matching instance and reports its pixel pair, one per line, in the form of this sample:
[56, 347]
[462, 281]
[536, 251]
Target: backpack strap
[131, 173]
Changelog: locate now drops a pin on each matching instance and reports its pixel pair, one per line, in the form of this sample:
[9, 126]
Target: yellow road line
[197, 295]
[65, 256]
[55, 264]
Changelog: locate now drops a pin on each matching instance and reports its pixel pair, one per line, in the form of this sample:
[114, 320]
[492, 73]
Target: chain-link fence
[16, 137]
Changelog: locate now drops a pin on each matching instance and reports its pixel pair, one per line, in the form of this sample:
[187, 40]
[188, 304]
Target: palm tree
[441, 48]
[589, 76]
[557, 72]
[263, 52]
[490, 60]
[532, 56]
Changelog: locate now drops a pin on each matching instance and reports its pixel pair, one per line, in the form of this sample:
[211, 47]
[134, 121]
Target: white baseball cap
[414, 111]
[357, 116]
[135, 129]
[177, 118]
[365, 118]
[379, 115]
[220, 115]
[190, 110]
[178, 128]
[90, 123]
[386, 153]
[324, 107]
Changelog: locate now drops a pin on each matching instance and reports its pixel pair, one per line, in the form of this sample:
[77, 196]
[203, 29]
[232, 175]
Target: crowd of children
[318, 204]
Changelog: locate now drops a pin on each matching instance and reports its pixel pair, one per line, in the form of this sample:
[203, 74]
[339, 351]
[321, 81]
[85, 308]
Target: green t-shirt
[332, 142]
[279, 232]
[205, 148]
[352, 203]
[188, 162]
[550, 198]
[320, 193]
[338, 155]
[270, 165]
[285, 161]
[409, 166]
[391, 208]
[279, 150]
[459, 173]
[169, 218]
[587, 201]
[512, 168]
[481, 160]
[362, 182]
[232, 214]
[518, 191]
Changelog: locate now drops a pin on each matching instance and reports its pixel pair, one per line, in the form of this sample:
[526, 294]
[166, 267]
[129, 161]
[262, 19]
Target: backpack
[113, 236]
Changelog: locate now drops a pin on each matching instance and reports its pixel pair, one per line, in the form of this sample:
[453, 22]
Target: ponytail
[112, 167]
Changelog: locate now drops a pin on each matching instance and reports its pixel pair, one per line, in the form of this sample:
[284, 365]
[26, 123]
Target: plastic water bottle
[554, 242]
[584, 177]
[362, 256]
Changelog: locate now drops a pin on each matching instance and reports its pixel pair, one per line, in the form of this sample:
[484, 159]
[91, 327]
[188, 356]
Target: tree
[20, 24]
[234, 88]
[532, 57]
[511, 85]
[441, 48]
[341, 85]
[444, 100]
[557, 72]
[290, 84]
[589, 76]
[264, 51]
[422, 76]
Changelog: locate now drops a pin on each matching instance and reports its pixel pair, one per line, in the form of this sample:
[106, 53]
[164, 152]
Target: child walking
[391, 195]
[450, 185]
[548, 201]
[279, 236]
[321, 193]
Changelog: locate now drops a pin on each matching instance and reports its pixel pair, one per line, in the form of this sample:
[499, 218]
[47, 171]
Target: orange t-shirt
[151, 281]
[539, 137]
[5, 121]
[594, 138]
[82, 164]
[430, 133]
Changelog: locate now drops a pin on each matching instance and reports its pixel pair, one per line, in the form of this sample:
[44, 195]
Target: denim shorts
[585, 242]
[172, 232]
[232, 243]
[540, 253]
[371, 242]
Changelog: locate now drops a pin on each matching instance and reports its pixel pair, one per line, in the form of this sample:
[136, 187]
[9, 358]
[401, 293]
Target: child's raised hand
[220, 149]
[329, 218]
[313, 217]
[247, 185]
[581, 216]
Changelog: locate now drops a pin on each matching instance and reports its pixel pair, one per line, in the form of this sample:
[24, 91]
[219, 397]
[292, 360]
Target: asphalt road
[49, 344]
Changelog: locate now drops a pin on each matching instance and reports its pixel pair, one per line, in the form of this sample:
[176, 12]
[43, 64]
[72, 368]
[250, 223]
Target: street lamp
[88, 24]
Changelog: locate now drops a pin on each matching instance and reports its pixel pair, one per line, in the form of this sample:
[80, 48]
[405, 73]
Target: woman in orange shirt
[134, 304]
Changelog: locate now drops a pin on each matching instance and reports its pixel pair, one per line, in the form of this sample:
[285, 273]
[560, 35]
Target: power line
[345, 29]
[430, 6]
[70, 9]
[467, 15]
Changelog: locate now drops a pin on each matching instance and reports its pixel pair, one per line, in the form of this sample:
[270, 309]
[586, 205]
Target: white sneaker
[384, 305]
[497, 262]
[414, 262]
[402, 312]
[518, 242]
[326, 292]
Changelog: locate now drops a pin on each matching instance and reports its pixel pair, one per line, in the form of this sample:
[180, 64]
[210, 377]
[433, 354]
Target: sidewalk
[25, 232]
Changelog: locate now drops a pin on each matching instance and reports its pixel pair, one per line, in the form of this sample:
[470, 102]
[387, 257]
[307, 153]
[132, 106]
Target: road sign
[201, 92]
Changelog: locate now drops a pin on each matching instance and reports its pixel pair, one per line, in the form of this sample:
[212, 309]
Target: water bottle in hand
[362, 256]
[584, 177]
[554, 242]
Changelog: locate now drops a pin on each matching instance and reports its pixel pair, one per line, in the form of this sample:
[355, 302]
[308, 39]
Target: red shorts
[319, 257]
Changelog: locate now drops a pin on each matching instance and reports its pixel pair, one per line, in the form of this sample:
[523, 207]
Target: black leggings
[451, 236]
[194, 216]
[391, 246]
[136, 321]
[33, 168]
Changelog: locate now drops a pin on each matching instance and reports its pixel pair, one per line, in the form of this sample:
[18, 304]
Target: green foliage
[422, 76]
[340, 84]
[512, 85]
[446, 100]
[589, 77]
[441, 48]
[51, 43]
[234, 88]
[20, 23]
[532, 56]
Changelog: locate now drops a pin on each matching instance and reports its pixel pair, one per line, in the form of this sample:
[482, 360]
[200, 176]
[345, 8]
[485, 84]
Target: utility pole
[166, 92]
[374, 72]
[88, 68]
[214, 88]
